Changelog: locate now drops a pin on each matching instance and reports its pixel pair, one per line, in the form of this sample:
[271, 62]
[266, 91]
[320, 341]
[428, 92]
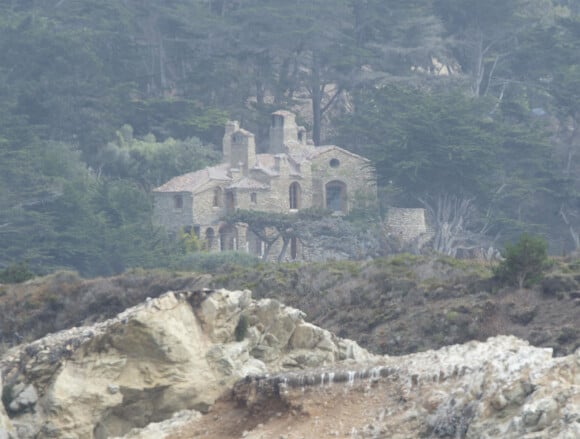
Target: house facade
[292, 175]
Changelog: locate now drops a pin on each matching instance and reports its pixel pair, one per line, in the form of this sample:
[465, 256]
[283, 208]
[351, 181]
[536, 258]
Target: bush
[216, 262]
[16, 273]
[525, 261]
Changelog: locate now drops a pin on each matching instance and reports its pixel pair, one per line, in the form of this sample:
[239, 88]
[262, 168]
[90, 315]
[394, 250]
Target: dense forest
[467, 108]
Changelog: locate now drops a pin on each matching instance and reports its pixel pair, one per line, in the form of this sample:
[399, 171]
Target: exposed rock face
[502, 388]
[177, 352]
[154, 369]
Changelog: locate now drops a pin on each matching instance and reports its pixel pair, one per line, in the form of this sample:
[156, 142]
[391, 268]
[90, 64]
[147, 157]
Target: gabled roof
[194, 182]
[319, 150]
[267, 164]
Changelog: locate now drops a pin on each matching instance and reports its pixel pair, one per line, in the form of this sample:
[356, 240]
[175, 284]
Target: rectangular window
[253, 197]
[178, 201]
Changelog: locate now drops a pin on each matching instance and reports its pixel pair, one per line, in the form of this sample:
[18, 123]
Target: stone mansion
[293, 174]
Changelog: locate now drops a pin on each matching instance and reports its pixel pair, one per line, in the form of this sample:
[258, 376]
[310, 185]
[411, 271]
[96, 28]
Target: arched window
[217, 197]
[295, 193]
[336, 196]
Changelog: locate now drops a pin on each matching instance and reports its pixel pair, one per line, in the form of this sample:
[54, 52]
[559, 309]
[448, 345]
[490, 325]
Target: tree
[484, 36]
[524, 262]
[268, 227]
[149, 162]
[458, 156]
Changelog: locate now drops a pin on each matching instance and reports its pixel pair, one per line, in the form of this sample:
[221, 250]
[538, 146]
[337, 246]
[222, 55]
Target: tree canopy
[467, 108]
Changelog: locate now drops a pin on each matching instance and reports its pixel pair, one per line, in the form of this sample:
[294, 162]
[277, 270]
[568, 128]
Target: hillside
[394, 306]
[221, 364]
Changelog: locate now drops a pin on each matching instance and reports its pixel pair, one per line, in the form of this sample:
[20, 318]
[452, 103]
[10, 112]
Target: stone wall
[204, 211]
[166, 215]
[354, 171]
[406, 224]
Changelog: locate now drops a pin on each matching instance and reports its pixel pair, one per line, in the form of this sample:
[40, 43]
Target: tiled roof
[195, 181]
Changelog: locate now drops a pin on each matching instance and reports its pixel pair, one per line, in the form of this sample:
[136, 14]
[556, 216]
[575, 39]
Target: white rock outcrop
[177, 352]
[502, 388]
[151, 371]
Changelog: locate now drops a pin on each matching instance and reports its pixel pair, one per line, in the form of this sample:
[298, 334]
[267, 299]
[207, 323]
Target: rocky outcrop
[262, 371]
[503, 388]
[176, 352]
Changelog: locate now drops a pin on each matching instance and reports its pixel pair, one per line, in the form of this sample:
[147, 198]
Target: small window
[178, 201]
[217, 197]
[336, 200]
[230, 201]
[334, 163]
[254, 198]
[295, 194]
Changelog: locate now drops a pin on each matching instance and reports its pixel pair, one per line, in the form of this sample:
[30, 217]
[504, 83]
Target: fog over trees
[470, 109]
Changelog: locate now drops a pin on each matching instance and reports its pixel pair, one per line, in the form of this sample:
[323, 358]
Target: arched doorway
[295, 193]
[336, 200]
[210, 238]
[228, 238]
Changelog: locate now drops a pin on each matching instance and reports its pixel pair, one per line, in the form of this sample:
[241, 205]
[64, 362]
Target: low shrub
[216, 262]
[16, 273]
[557, 283]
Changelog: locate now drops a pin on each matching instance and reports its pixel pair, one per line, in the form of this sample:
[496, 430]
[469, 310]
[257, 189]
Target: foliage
[190, 242]
[524, 262]
[16, 273]
[204, 262]
[499, 131]
[149, 162]
[357, 238]
[477, 165]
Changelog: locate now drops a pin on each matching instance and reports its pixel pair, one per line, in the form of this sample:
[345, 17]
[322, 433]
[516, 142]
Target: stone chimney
[243, 150]
[231, 127]
[283, 131]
